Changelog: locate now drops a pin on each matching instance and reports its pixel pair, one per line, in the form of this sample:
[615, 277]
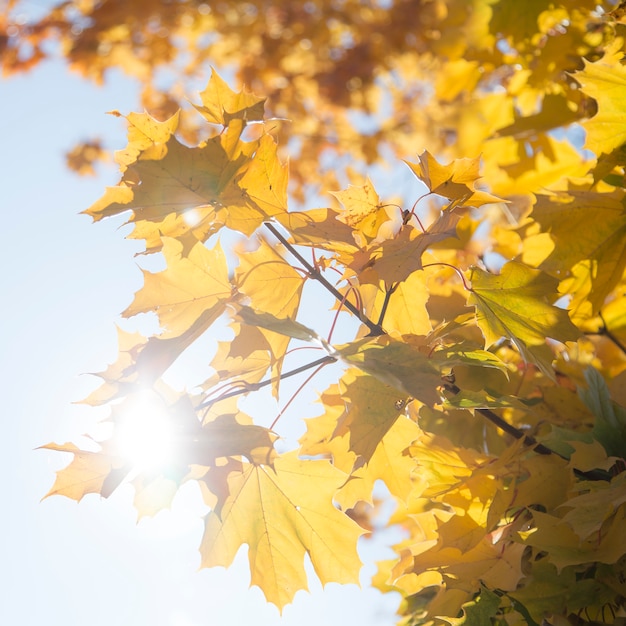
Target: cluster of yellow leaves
[465, 308]
[422, 72]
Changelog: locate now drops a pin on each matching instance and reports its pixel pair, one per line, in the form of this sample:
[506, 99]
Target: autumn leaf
[515, 304]
[265, 180]
[220, 104]
[144, 133]
[605, 81]
[455, 181]
[267, 509]
[389, 463]
[397, 364]
[372, 408]
[191, 287]
[272, 286]
[587, 231]
[89, 472]
[396, 259]
[362, 210]
[320, 228]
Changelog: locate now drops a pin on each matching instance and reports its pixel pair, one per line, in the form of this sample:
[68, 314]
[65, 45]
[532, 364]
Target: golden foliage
[482, 322]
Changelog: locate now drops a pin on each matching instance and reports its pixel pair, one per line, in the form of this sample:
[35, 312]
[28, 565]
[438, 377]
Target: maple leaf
[144, 133]
[191, 287]
[396, 259]
[362, 210]
[588, 231]
[515, 304]
[272, 286]
[265, 180]
[320, 228]
[267, 509]
[177, 178]
[605, 81]
[397, 364]
[221, 105]
[389, 463]
[89, 472]
[372, 408]
[455, 181]
[247, 356]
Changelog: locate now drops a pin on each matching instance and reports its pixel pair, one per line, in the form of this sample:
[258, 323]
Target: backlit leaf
[515, 304]
[268, 510]
[455, 181]
[191, 286]
[605, 81]
[220, 104]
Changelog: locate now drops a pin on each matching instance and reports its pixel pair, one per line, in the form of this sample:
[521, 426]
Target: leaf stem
[297, 391]
[388, 292]
[607, 333]
[455, 268]
[375, 329]
[247, 387]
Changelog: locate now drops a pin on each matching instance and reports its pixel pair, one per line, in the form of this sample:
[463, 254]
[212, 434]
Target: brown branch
[509, 428]
[375, 329]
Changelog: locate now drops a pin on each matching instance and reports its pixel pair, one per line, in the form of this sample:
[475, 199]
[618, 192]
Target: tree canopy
[473, 331]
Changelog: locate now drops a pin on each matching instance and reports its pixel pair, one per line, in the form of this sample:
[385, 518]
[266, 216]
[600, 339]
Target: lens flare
[144, 431]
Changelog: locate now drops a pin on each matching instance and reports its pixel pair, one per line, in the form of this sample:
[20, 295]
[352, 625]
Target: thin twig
[455, 268]
[388, 292]
[247, 387]
[298, 390]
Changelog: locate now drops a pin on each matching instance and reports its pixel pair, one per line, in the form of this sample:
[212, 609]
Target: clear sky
[64, 282]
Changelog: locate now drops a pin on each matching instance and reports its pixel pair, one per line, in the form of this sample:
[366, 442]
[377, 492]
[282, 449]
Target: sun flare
[144, 432]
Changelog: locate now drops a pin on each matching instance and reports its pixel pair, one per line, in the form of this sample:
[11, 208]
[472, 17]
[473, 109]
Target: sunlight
[145, 432]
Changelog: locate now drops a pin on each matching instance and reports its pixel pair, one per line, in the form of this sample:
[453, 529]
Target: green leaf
[516, 304]
[397, 364]
[283, 326]
[478, 611]
[610, 425]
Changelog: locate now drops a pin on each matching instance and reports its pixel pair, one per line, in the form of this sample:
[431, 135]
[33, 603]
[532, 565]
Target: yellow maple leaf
[283, 513]
[89, 472]
[247, 356]
[588, 232]
[144, 132]
[455, 181]
[265, 179]
[362, 210]
[320, 228]
[396, 259]
[389, 463]
[372, 407]
[272, 286]
[221, 105]
[605, 82]
[188, 288]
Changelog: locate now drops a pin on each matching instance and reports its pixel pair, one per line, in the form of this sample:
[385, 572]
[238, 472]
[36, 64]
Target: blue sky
[65, 281]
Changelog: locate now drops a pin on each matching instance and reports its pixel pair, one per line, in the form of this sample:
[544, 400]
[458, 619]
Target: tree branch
[375, 329]
[509, 428]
